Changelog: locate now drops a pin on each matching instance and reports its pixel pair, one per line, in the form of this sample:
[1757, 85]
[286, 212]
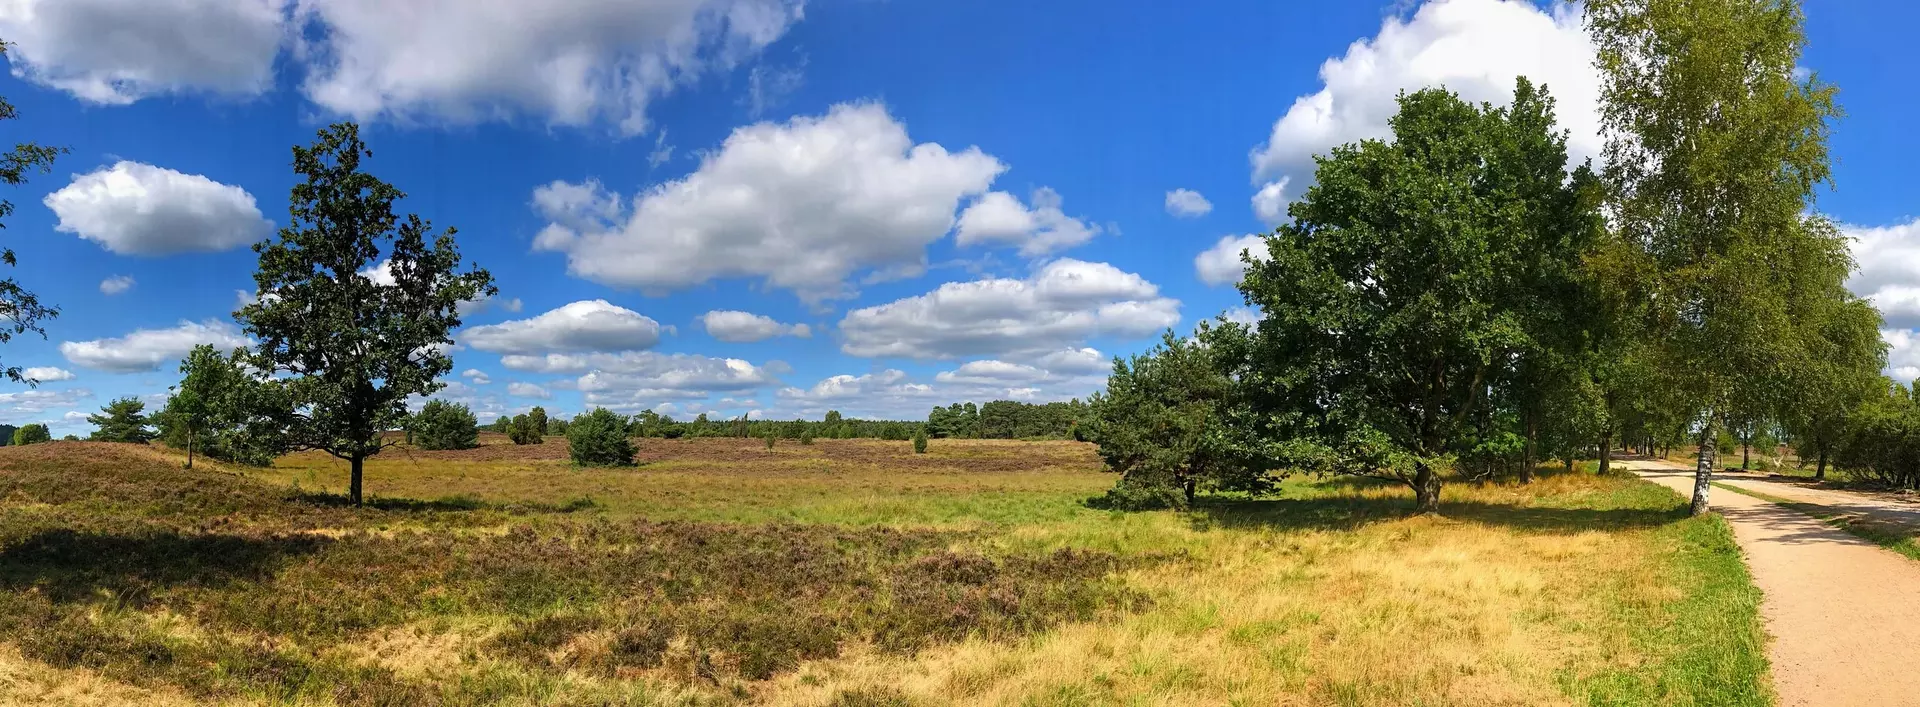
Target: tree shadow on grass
[1351, 512]
[76, 566]
[444, 504]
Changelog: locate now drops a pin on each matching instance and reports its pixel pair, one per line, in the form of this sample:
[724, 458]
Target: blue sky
[887, 205]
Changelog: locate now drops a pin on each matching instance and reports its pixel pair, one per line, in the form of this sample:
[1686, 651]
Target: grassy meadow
[846, 572]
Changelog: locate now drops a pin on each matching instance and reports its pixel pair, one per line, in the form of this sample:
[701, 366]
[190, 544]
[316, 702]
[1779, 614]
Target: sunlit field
[846, 572]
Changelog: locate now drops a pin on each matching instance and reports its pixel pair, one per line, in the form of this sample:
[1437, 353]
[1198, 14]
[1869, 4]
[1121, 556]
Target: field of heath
[845, 572]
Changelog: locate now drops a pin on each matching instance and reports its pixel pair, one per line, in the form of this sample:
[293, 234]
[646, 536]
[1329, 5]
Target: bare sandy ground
[1844, 613]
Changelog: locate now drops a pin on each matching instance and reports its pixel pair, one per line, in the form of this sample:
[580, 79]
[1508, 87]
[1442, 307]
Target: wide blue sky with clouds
[777, 207]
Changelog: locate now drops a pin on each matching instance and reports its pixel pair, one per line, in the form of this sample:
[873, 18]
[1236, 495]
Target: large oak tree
[1414, 274]
[351, 336]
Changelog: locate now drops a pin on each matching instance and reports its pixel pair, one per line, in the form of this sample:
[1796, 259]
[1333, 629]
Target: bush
[920, 442]
[524, 430]
[444, 425]
[32, 434]
[806, 435]
[772, 438]
[599, 438]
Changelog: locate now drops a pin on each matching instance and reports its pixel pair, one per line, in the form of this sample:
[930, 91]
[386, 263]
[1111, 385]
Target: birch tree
[1715, 143]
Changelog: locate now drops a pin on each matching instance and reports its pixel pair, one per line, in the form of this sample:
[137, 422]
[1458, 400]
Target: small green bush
[444, 425]
[772, 439]
[599, 438]
[920, 441]
[32, 434]
[526, 429]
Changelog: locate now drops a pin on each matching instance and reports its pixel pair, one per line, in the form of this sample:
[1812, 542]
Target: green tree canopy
[1166, 422]
[444, 425]
[1403, 288]
[33, 433]
[123, 420]
[599, 438]
[1714, 146]
[354, 334]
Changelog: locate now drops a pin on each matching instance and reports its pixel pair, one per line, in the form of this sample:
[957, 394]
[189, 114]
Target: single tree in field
[1166, 422]
[538, 418]
[599, 438]
[920, 440]
[353, 342]
[1398, 297]
[217, 406]
[31, 434]
[123, 420]
[20, 310]
[1715, 143]
[444, 425]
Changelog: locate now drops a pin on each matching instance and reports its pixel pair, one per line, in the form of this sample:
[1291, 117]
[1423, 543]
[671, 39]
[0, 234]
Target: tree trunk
[1186, 487]
[1426, 490]
[1606, 452]
[1820, 470]
[189, 446]
[1744, 458]
[1703, 471]
[353, 485]
[1526, 456]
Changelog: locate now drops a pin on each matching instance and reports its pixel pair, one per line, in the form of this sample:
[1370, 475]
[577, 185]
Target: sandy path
[1866, 504]
[1844, 613]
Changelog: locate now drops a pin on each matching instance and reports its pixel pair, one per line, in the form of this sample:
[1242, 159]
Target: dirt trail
[1844, 613]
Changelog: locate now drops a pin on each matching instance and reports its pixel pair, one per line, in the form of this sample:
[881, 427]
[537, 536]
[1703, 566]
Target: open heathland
[845, 572]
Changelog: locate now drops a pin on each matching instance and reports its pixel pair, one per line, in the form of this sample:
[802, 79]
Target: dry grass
[1573, 590]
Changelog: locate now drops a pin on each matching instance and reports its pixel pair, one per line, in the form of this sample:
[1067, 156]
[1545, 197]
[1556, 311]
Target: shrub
[32, 434]
[599, 438]
[538, 417]
[525, 429]
[444, 425]
[772, 438]
[920, 442]
[806, 435]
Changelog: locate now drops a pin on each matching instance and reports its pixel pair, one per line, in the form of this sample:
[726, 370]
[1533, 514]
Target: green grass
[1897, 537]
[854, 573]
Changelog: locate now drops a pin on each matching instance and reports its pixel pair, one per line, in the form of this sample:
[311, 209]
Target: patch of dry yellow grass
[1417, 610]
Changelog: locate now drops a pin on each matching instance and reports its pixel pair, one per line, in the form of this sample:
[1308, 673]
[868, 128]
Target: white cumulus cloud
[803, 204]
[1061, 304]
[116, 284]
[1889, 274]
[47, 374]
[151, 349]
[476, 375]
[119, 51]
[569, 62]
[139, 209]
[1476, 48]
[1270, 203]
[745, 327]
[1187, 203]
[520, 389]
[587, 325]
[998, 217]
[1221, 264]
[32, 405]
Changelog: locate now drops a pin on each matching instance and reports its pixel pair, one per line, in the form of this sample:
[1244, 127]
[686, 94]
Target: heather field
[845, 572]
